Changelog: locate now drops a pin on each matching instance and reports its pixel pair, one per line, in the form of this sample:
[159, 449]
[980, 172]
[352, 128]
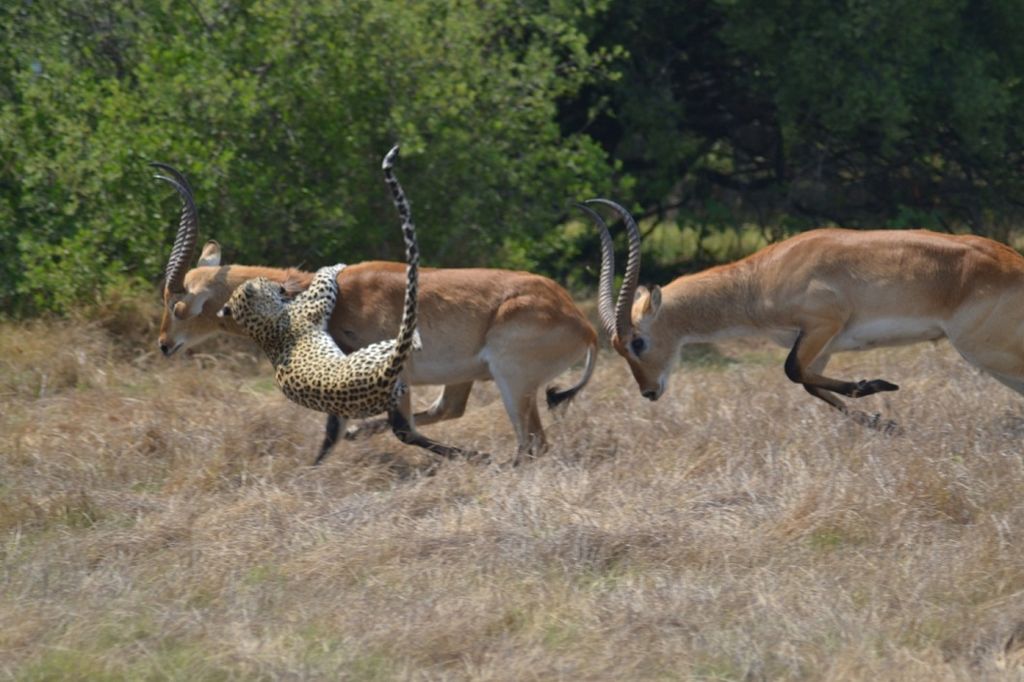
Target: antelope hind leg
[367, 428]
[451, 404]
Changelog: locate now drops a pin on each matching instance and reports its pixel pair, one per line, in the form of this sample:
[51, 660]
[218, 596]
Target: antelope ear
[650, 299]
[655, 299]
[181, 310]
[210, 254]
[191, 305]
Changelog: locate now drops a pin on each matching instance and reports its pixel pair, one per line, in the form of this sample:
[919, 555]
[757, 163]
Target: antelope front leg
[804, 366]
[331, 430]
[406, 433]
[800, 365]
[871, 421]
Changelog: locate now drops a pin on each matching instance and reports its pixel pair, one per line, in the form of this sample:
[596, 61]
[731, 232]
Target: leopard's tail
[407, 330]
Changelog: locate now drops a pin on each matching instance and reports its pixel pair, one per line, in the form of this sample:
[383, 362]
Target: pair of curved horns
[617, 323]
[188, 228]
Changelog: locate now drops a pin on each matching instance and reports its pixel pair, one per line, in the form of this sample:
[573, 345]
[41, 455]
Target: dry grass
[160, 520]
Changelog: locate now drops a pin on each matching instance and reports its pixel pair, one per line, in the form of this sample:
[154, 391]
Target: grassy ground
[160, 520]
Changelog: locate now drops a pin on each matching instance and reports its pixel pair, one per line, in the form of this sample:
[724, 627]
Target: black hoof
[863, 388]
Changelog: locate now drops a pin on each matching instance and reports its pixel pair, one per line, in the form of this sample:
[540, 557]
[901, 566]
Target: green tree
[279, 113]
[853, 112]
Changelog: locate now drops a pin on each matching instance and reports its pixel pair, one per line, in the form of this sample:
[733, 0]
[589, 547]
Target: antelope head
[632, 324]
[186, 295]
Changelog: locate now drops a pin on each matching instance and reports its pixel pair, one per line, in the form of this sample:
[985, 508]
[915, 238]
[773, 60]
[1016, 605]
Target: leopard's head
[256, 306]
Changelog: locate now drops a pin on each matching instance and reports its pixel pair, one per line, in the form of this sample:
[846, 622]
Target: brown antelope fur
[826, 291]
[516, 328]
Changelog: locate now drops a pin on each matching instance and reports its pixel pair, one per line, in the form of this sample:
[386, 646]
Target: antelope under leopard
[518, 329]
[309, 367]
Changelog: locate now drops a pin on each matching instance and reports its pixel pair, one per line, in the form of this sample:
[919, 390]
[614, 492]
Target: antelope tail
[556, 396]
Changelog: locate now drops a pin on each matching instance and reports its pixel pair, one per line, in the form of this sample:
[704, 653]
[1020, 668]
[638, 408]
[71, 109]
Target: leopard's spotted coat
[309, 367]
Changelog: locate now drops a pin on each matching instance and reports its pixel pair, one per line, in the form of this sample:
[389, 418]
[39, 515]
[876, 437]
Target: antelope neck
[708, 305]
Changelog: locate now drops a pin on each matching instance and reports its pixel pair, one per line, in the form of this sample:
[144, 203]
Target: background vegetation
[158, 519]
[705, 115]
[279, 112]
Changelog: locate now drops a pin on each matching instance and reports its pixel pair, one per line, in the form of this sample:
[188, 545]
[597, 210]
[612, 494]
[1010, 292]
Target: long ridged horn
[624, 305]
[604, 284]
[188, 229]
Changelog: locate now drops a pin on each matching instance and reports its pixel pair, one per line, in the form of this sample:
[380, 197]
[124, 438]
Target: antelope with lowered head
[518, 329]
[826, 291]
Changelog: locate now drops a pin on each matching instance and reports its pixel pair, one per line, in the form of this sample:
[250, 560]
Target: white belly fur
[438, 369]
[887, 332]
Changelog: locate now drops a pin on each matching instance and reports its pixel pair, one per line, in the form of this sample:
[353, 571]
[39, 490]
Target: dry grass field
[160, 520]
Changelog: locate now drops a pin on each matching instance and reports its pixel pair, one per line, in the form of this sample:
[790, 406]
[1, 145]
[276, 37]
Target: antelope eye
[638, 345]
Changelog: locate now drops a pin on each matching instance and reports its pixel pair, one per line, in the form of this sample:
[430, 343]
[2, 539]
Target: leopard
[309, 367]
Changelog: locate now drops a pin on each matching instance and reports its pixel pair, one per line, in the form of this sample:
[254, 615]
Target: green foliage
[904, 106]
[723, 115]
[279, 114]
[799, 113]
